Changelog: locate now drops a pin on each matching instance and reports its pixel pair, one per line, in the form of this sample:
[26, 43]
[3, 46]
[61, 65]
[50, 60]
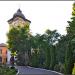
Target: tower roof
[19, 14]
[2, 45]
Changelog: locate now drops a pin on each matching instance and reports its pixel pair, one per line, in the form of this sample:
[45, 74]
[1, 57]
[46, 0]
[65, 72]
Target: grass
[4, 70]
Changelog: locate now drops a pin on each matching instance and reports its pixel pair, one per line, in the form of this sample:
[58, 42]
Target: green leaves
[73, 12]
[19, 41]
[43, 46]
[7, 71]
[69, 57]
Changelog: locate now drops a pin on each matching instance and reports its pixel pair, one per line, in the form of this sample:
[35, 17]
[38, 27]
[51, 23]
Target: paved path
[22, 70]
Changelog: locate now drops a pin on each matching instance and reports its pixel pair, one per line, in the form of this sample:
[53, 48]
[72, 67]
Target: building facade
[3, 53]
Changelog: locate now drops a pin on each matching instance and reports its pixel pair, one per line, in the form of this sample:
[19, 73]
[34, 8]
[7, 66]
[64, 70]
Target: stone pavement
[23, 70]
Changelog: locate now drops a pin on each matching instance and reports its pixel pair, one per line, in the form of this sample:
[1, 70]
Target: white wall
[8, 56]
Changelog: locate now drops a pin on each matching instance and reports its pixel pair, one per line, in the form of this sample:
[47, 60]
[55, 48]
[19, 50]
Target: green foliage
[73, 12]
[19, 42]
[7, 71]
[35, 59]
[69, 58]
[61, 47]
[51, 38]
[53, 58]
[15, 37]
[59, 67]
[73, 70]
[43, 49]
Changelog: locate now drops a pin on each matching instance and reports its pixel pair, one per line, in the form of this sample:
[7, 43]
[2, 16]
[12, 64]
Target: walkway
[22, 70]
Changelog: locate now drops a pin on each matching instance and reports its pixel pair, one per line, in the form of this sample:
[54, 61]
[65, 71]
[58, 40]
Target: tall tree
[69, 59]
[50, 39]
[19, 41]
[35, 43]
[43, 47]
[61, 47]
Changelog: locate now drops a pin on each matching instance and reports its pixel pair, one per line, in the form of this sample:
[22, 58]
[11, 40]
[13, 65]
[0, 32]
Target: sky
[42, 14]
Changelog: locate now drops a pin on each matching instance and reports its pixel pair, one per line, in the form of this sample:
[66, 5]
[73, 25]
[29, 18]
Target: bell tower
[18, 19]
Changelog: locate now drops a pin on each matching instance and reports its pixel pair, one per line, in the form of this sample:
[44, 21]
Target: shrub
[7, 71]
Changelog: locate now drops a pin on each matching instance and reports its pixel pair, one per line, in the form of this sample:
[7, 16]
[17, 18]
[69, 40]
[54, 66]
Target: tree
[52, 38]
[43, 47]
[49, 39]
[61, 47]
[69, 59]
[35, 43]
[19, 41]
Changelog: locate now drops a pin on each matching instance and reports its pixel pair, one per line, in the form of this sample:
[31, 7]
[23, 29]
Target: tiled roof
[19, 14]
[2, 45]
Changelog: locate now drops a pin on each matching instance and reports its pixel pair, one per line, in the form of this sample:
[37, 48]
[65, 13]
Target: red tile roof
[3, 45]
